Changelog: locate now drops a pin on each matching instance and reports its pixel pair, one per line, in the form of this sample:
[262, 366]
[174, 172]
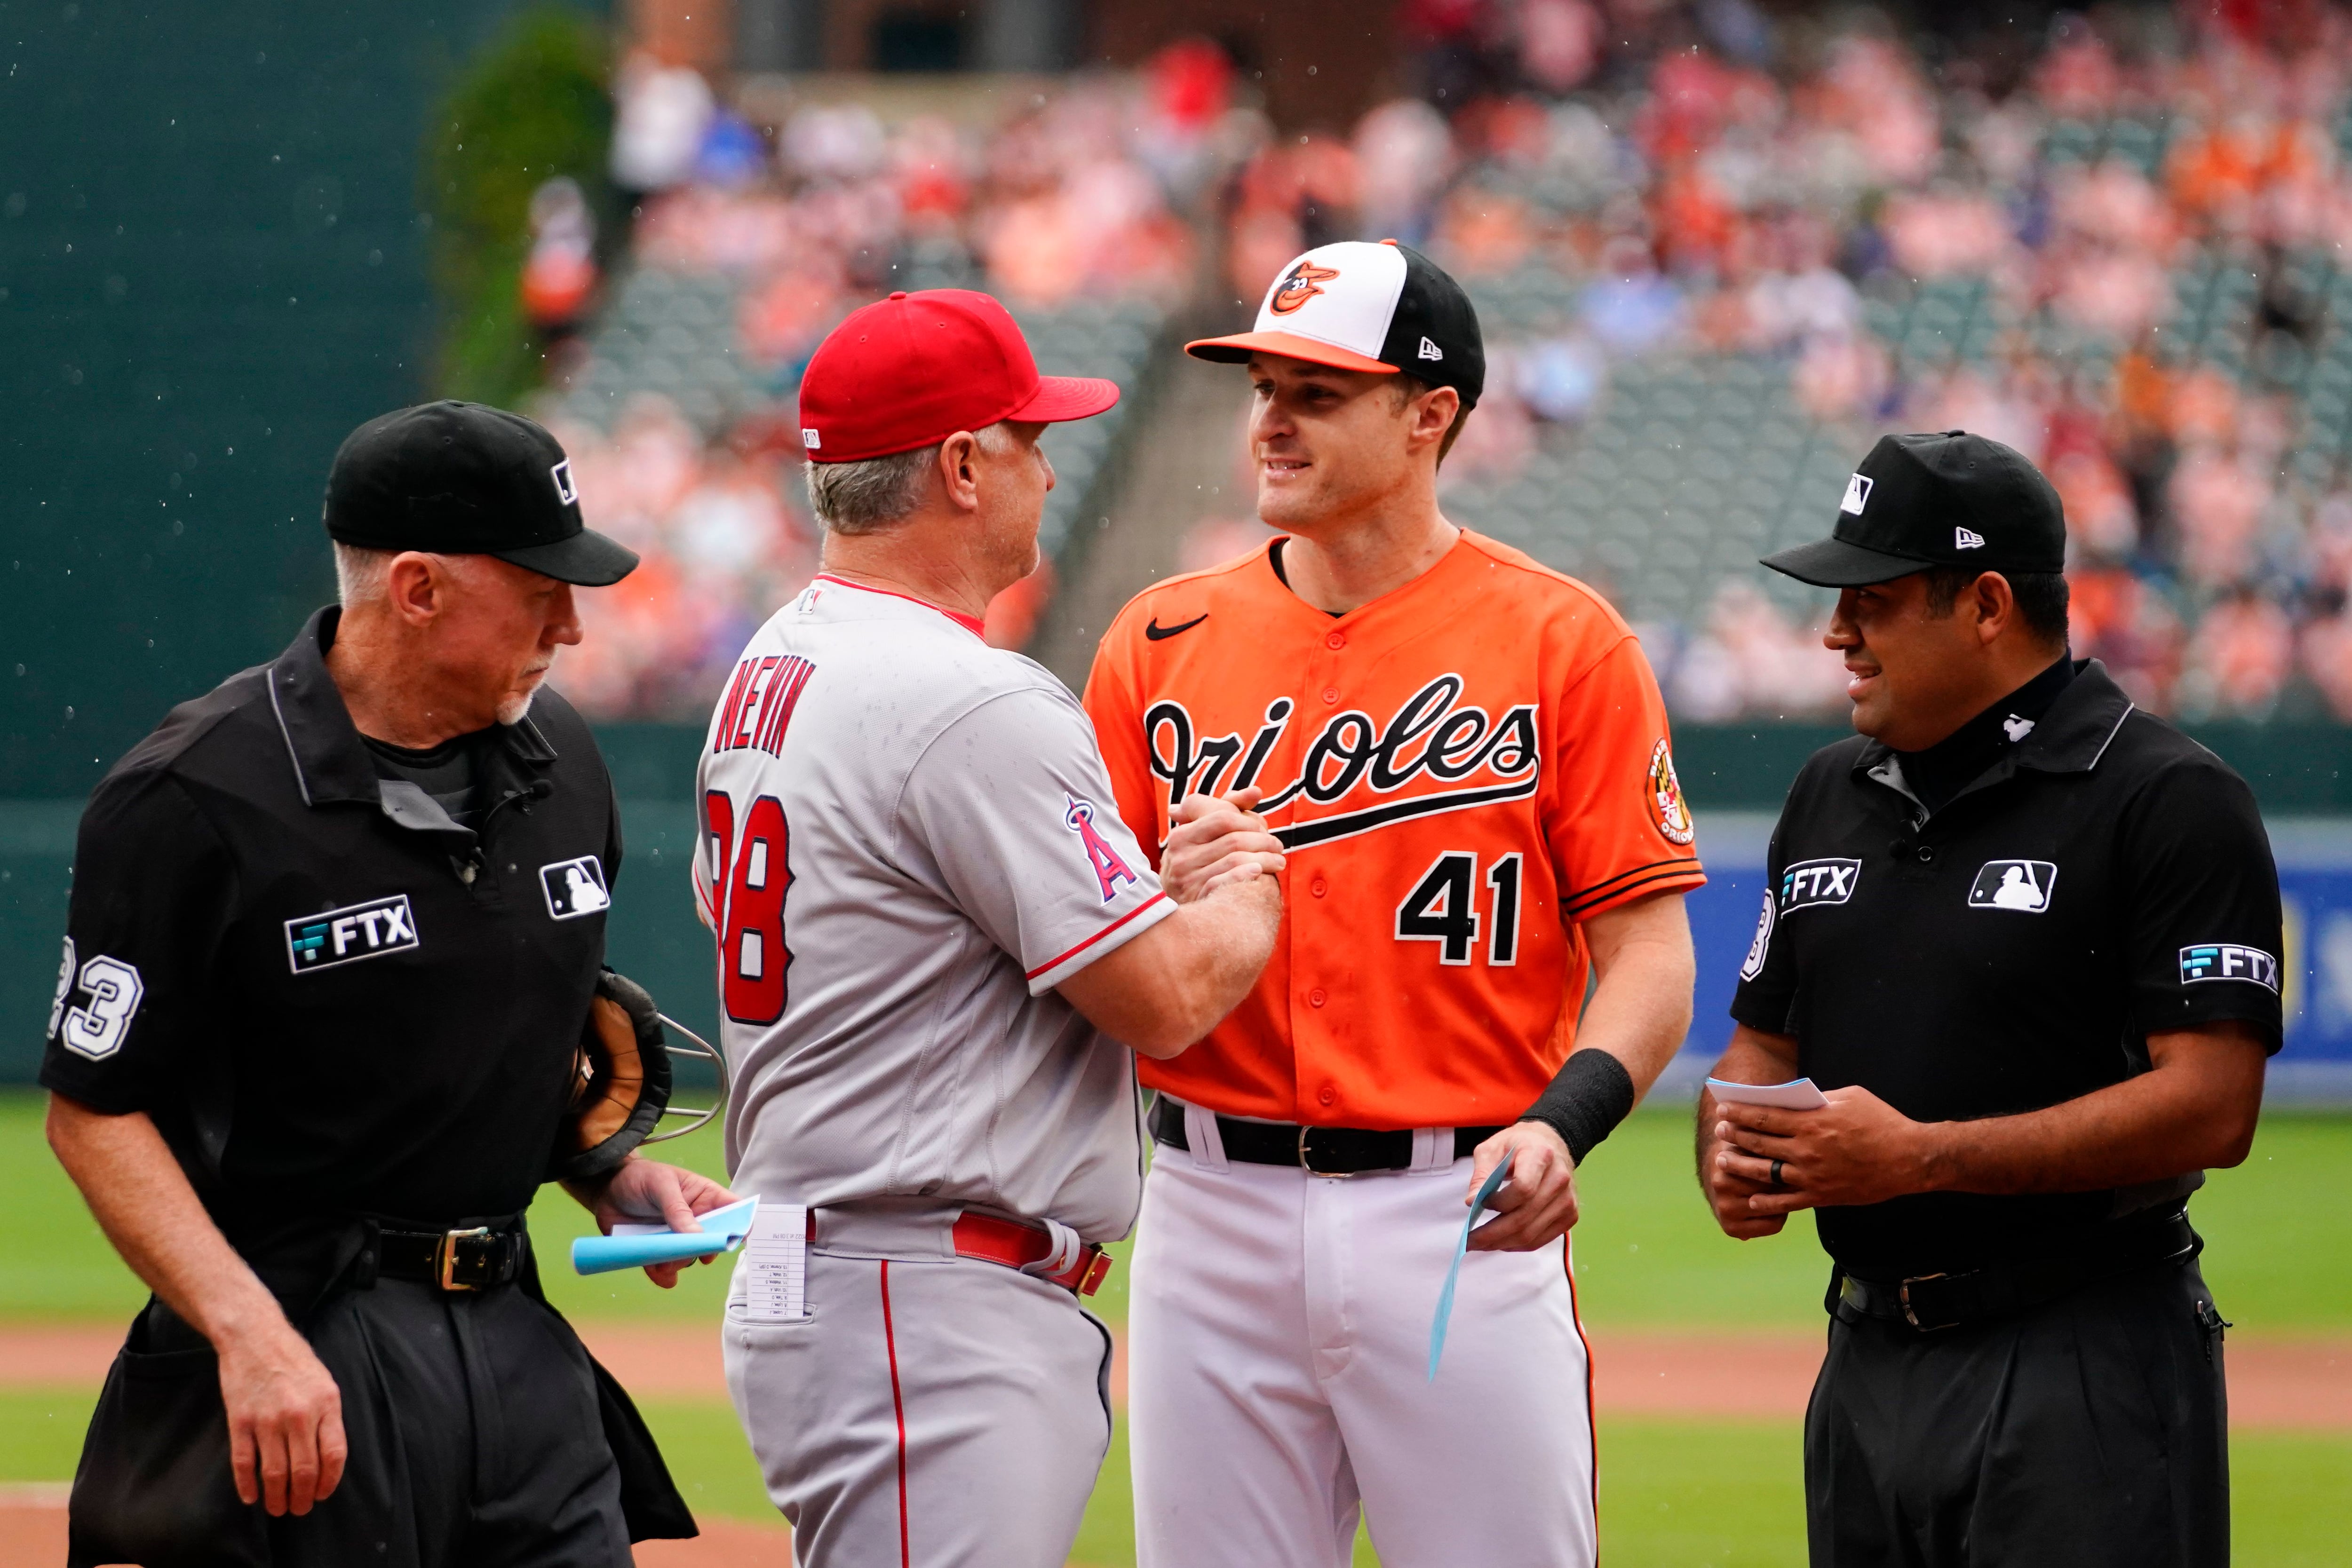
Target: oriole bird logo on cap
[1300, 285]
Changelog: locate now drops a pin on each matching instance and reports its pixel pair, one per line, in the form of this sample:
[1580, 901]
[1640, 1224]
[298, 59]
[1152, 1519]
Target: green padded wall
[212, 267]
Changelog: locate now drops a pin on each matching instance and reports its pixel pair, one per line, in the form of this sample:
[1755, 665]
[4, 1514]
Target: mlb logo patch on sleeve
[345, 935]
[575, 887]
[2228, 961]
[2023, 885]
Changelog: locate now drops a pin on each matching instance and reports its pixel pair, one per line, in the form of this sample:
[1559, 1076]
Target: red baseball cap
[912, 370]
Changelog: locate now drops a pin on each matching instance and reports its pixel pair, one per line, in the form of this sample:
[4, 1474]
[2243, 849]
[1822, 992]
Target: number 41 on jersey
[1442, 908]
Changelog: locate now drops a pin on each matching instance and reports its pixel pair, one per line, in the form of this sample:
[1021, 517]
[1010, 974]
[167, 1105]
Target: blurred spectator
[1752, 659]
[1405, 153]
[2218, 498]
[2117, 618]
[1189, 89]
[2327, 660]
[661, 112]
[560, 274]
[1560, 379]
[2239, 658]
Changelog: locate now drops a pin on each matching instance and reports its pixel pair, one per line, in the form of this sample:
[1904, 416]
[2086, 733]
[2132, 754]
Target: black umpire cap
[1942, 499]
[458, 478]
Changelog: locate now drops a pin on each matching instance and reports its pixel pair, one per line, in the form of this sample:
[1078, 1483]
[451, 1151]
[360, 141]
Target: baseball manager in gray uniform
[934, 936]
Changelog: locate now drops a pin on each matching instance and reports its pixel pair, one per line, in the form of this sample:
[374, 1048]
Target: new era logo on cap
[1430, 350]
[1967, 538]
[1857, 495]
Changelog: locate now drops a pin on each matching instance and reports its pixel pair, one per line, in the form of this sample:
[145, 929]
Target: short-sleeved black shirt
[2106, 879]
[332, 998]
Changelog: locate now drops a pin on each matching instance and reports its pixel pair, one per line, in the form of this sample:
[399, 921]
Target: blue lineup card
[636, 1246]
[1494, 1180]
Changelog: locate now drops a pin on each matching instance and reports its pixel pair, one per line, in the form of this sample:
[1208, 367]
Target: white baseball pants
[1278, 1374]
[936, 1414]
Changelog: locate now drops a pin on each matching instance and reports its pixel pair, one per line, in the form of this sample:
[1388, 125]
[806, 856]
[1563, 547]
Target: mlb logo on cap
[1857, 495]
[1357, 306]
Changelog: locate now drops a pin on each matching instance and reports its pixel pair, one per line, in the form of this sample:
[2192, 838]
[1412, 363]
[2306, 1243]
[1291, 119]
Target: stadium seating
[1710, 275]
[678, 401]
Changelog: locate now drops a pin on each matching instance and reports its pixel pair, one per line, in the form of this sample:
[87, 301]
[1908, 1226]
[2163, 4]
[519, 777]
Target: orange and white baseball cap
[1358, 305]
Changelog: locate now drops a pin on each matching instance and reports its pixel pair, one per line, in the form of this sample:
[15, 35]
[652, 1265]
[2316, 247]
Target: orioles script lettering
[1435, 737]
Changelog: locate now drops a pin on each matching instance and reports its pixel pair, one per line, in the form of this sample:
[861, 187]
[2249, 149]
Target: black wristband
[1584, 1103]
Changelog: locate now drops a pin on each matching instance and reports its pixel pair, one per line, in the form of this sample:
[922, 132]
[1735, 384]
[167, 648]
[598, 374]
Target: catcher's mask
[621, 1086]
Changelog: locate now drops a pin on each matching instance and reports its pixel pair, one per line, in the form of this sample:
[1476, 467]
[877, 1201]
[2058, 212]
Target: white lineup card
[1798, 1094]
[775, 1265]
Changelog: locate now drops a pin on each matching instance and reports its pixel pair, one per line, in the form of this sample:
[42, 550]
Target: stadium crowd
[1076, 199]
[2141, 222]
[1710, 181]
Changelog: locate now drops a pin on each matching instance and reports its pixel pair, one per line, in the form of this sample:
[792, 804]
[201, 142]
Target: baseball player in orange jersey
[1463, 757]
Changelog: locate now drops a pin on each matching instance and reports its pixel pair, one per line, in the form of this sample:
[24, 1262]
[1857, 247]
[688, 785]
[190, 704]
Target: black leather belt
[1320, 1151]
[1932, 1302]
[471, 1260]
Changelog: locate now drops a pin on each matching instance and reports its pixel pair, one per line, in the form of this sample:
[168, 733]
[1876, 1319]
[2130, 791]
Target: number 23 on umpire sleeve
[1442, 908]
[752, 957]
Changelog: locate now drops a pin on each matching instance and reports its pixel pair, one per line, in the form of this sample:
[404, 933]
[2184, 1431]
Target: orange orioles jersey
[1460, 771]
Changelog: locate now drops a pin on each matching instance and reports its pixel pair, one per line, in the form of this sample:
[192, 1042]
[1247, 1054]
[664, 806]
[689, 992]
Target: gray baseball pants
[925, 1413]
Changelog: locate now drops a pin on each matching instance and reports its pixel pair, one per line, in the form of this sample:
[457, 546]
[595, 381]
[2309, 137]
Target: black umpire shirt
[331, 998]
[2102, 878]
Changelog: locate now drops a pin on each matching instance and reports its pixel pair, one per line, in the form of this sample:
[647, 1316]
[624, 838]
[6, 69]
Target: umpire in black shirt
[2026, 938]
[334, 931]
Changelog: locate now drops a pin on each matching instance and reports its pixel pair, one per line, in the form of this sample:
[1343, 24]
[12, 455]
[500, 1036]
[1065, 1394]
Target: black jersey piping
[292, 756]
[1617, 886]
[2130, 709]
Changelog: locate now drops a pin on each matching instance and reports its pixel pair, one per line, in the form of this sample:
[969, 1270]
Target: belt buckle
[445, 1258]
[1307, 1164]
[1903, 1293]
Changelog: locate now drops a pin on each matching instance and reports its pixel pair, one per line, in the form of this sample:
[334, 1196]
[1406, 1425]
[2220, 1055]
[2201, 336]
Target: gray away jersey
[908, 840]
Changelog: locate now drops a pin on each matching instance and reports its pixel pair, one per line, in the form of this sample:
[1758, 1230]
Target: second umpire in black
[2026, 936]
[334, 934]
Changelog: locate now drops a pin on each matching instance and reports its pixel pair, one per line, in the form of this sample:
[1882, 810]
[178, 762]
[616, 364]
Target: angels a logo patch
[1110, 866]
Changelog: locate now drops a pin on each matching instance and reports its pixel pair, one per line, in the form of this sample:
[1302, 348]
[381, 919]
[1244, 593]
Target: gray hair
[869, 495]
[361, 575]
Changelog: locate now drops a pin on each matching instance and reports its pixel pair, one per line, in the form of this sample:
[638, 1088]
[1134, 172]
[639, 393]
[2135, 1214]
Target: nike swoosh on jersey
[1159, 634]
